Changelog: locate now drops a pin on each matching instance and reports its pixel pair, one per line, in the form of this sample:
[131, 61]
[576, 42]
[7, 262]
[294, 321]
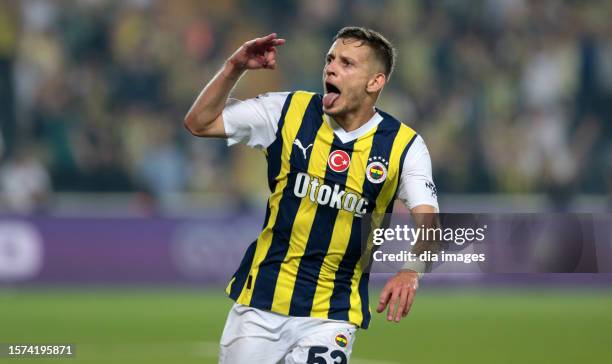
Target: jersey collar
[349, 136]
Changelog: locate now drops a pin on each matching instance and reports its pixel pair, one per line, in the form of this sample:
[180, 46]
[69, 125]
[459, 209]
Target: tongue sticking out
[329, 99]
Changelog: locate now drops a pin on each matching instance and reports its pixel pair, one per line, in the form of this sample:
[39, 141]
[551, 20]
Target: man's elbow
[192, 125]
[204, 127]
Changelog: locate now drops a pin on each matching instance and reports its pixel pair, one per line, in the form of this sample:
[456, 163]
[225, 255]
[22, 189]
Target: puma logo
[299, 145]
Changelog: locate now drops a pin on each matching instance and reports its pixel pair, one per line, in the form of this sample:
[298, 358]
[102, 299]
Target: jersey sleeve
[253, 121]
[416, 186]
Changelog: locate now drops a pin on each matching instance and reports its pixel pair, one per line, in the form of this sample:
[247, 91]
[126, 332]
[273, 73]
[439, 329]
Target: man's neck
[353, 121]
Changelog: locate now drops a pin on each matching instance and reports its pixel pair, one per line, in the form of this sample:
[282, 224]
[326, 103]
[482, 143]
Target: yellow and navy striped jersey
[307, 261]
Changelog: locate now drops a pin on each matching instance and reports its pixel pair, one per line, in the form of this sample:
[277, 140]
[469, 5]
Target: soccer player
[301, 290]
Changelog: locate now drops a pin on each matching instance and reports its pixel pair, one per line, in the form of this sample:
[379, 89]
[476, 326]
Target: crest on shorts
[376, 171]
[341, 340]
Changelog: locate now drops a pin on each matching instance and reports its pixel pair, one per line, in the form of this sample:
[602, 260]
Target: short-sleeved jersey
[307, 261]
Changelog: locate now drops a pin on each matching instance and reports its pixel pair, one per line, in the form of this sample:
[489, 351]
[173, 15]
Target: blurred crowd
[511, 96]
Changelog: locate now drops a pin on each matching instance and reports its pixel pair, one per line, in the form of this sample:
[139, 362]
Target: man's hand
[399, 294]
[205, 117]
[256, 54]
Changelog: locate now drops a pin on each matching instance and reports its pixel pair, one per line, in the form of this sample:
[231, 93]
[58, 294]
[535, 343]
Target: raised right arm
[205, 118]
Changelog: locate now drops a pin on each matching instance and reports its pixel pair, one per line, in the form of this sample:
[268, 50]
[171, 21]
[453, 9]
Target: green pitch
[183, 326]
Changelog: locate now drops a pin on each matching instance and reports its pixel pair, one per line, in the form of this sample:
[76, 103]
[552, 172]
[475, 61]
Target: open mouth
[332, 93]
[331, 88]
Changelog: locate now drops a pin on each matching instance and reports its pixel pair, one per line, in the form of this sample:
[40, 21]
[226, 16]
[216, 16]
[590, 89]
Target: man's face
[349, 65]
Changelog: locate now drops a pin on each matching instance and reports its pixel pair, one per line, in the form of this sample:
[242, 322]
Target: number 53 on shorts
[318, 354]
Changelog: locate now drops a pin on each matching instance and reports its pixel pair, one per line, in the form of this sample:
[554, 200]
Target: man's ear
[376, 83]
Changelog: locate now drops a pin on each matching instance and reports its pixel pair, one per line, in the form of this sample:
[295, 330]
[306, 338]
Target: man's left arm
[417, 191]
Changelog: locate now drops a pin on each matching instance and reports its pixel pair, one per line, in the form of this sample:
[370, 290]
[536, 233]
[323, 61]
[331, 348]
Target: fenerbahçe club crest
[376, 171]
[341, 340]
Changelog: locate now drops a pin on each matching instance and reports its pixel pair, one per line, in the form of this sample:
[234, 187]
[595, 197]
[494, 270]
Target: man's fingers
[411, 294]
[271, 54]
[268, 40]
[402, 304]
[263, 51]
[383, 299]
[271, 65]
[392, 304]
[255, 45]
[263, 40]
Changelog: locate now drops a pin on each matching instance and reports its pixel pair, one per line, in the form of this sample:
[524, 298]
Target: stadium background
[118, 229]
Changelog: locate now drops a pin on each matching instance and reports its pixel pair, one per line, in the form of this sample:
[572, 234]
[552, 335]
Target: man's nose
[330, 69]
